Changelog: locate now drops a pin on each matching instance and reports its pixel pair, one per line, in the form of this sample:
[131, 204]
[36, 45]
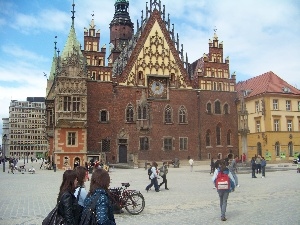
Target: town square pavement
[28, 198]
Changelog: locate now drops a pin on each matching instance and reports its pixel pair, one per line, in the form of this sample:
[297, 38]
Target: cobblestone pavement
[28, 198]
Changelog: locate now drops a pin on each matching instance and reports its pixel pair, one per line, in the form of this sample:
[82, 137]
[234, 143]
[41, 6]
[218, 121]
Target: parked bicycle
[133, 201]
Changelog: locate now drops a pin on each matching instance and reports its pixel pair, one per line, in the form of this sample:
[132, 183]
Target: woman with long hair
[99, 192]
[80, 191]
[68, 207]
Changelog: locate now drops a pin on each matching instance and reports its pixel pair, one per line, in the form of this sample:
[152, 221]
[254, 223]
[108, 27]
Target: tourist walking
[163, 173]
[263, 167]
[253, 167]
[191, 162]
[99, 192]
[67, 203]
[153, 178]
[223, 193]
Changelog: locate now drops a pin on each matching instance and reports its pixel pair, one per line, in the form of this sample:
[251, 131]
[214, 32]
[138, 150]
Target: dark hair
[81, 173]
[230, 155]
[223, 164]
[100, 179]
[154, 164]
[68, 183]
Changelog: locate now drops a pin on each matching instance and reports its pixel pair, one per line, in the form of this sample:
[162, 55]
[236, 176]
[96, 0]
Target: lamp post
[4, 140]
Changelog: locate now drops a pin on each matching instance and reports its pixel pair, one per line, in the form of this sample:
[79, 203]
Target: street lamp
[4, 140]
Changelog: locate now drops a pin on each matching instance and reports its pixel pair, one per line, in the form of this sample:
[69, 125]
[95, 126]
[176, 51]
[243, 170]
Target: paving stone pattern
[27, 198]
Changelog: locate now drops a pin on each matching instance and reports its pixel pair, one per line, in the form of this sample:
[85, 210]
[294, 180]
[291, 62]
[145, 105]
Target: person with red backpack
[224, 182]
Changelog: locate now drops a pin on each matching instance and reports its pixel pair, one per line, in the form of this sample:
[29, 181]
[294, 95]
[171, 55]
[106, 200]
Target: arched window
[217, 107]
[218, 134]
[129, 113]
[207, 138]
[291, 149]
[168, 114]
[277, 149]
[182, 115]
[229, 137]
[208, 108]
[103, 116]
[226, 109]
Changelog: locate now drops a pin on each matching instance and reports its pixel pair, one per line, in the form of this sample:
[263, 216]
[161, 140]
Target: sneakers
[223, 219]
[167, 188]
[238, 185]
[263, 177]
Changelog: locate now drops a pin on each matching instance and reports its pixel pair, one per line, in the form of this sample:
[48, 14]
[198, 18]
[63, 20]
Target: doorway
[122, 153]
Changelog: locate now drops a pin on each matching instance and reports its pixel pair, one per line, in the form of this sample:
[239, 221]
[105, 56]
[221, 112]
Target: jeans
[164, 177]
[263, 170]
[153, 182]
[223, 195]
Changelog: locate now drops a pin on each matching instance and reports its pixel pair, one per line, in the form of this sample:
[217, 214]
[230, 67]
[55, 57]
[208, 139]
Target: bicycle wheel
[135, 203]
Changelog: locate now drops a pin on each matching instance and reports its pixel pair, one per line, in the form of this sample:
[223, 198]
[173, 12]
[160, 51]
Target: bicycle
[133, 201]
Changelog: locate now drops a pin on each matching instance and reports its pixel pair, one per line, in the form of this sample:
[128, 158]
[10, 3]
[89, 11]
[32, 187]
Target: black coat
[69, 208]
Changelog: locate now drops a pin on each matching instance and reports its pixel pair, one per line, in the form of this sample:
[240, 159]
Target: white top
[82, 196]
[191, 162]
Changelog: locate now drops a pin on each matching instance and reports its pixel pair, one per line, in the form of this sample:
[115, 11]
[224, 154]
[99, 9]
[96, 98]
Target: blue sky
[258, 36]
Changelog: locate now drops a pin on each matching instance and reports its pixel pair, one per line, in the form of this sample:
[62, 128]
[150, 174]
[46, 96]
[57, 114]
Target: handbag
[53, 217]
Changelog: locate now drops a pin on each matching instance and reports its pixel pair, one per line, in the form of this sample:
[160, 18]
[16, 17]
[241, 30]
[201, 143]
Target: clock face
[157, 88]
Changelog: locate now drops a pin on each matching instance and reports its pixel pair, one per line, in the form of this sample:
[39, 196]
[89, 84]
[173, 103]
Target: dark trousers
[153, 182]
[164, 177]
[253, 172]
[263, 171]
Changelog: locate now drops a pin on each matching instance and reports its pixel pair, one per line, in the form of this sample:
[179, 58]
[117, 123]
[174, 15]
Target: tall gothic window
[226, 111]
[218, 133]
[129, 113]
[229, 137]
[182, 115]
[183, 142]
[208, 108]
[168, 114]
[207, 138]
[217, 107]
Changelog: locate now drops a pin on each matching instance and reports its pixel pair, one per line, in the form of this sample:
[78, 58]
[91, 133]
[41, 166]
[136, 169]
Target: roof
[266, 83]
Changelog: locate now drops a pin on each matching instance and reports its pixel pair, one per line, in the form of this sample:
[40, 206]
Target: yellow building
[269, 118]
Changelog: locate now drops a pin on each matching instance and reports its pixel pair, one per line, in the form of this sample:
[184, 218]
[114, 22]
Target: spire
[121, 15]
[72, 45]
[53, 66]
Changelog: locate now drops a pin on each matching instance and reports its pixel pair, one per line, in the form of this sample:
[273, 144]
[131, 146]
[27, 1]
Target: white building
[26, 135]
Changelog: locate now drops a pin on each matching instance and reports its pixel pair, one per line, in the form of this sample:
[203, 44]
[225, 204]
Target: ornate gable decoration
[155, 58]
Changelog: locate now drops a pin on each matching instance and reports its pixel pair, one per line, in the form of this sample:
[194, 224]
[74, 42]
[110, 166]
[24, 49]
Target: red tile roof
[266, 83]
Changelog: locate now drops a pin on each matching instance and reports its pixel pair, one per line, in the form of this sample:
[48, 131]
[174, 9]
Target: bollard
[54, 167]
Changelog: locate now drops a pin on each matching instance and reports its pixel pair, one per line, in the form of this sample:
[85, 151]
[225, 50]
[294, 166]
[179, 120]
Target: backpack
[88, 216]
[222, 181]
[149, 172]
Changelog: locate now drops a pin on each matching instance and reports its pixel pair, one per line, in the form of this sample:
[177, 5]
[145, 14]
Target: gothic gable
[154, 55]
